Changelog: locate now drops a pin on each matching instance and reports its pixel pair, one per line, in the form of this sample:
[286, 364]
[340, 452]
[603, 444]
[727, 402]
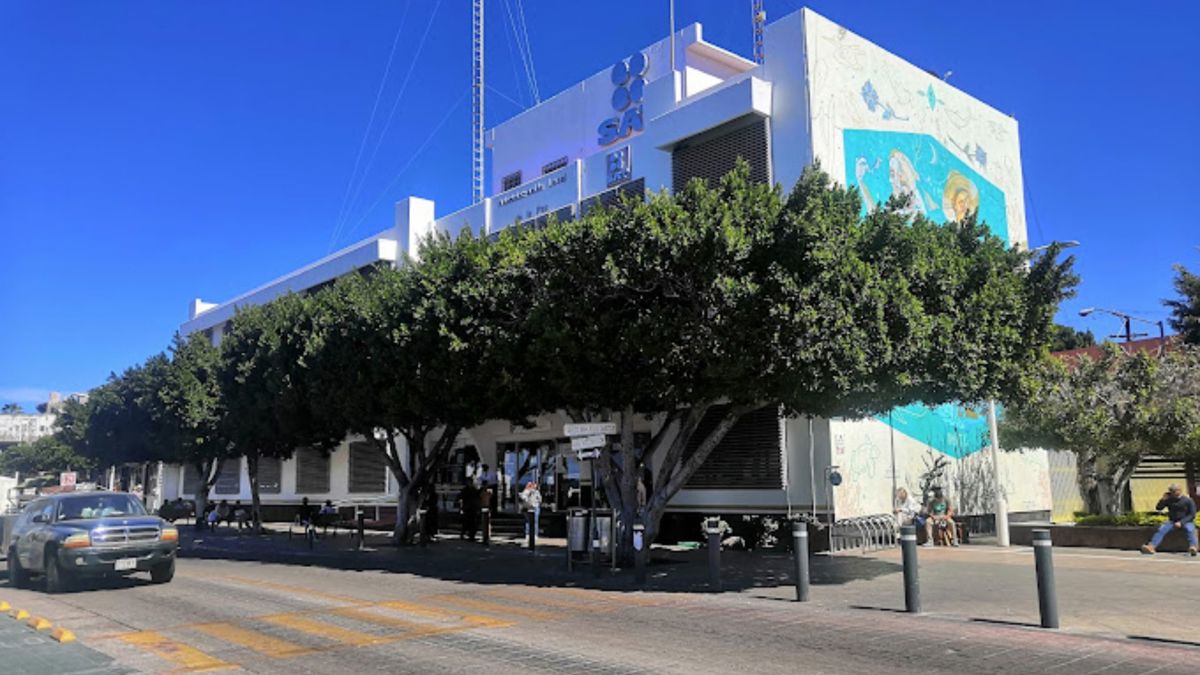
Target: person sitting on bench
[940, 514]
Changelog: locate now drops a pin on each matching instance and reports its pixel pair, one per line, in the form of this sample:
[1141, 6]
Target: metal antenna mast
[760, 19]
[476, 101]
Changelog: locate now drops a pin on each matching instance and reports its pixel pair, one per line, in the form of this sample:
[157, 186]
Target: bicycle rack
[868, 533]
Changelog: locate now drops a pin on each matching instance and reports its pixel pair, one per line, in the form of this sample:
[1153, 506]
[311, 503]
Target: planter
[1098, 536]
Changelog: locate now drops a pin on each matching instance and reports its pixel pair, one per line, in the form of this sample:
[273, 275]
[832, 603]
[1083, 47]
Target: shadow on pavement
[508, 563]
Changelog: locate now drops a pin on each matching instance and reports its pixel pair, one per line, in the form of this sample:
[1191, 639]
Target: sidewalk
[1111, 593]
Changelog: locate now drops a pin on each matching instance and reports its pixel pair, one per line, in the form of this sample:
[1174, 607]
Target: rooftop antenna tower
[476, 101]
[759, 17]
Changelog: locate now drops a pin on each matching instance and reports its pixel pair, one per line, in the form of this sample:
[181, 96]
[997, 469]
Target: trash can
[604, 530]
[577, 530]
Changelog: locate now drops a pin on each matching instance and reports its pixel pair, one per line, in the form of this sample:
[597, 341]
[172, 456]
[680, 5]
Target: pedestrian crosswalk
[341, 622]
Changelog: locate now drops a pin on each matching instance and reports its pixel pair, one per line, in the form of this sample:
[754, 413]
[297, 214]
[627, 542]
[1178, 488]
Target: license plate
[125, 564]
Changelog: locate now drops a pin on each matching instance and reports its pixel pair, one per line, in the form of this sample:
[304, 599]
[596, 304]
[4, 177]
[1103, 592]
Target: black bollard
[639, 558]
[712, 526]
[1044, 562]
[422, 527]
[487, 526]
[912, 589]
[362, 531]
[800, 548]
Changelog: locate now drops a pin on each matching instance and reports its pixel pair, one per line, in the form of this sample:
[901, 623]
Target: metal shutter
[270, 474]
[367, 473]
[312, 471]
[229, 482]
[747, 458]
[191, 480]
[713, 154]
[634, 188]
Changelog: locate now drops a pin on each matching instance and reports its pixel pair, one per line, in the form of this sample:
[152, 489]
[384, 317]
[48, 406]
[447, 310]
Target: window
[367, 473]
[270, 473]
[510, 181]
[191, 480]
[229, 481]
[749, 457]
[312, 471]
[551, 167]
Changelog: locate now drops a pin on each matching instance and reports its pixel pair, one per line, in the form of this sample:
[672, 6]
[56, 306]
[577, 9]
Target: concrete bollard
[712, 526]
[912, 589]
[1044, 563]
[800, 549]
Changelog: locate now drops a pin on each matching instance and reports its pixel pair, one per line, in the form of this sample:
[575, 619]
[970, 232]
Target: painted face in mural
[904, 181]
[960, 197]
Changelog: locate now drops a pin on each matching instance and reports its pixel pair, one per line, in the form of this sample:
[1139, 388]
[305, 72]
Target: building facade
[653, 121]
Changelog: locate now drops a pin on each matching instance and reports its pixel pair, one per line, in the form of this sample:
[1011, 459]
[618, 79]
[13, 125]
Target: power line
[395, 104]
[367, 131]
[412, 158]
[537, 98]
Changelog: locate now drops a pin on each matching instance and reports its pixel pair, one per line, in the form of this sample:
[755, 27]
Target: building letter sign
[630, 82]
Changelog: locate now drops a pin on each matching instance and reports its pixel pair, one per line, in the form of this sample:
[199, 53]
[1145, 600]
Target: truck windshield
[99, 506]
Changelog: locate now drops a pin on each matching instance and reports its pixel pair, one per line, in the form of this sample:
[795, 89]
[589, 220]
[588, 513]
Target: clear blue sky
[152, 152]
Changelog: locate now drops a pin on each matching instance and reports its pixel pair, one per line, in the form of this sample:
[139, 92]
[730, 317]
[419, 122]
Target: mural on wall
[939, 185]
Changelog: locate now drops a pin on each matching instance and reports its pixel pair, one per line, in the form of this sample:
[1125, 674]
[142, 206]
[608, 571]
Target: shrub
[1135, 519]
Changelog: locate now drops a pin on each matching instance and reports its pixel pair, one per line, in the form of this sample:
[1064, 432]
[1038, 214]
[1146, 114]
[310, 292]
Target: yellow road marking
[414, 629]
[38, 623]
[297, 590]
[62, 635]
[18, 614]
[615, 598]
[442, 612]
[543, 598]
[4, 606]
[485, 606]
[262, 643]
[190, 658]
[322, 629]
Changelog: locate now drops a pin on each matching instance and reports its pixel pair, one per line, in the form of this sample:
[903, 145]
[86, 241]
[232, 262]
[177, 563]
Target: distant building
[28, 427]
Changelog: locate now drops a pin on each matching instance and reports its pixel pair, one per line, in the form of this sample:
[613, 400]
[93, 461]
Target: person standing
[468, 504]
[531, 499]
[1181, 515]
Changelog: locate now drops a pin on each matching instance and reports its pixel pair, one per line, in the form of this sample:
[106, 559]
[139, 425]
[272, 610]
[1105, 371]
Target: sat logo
[630, 82]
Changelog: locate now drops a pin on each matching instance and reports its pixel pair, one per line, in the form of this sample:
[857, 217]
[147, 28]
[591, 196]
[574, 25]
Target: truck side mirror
[40, 518]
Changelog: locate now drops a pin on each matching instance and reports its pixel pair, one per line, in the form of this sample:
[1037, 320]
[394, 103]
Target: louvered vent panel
[710, 159]
[312, 472]
[367, 473]
[748, 456]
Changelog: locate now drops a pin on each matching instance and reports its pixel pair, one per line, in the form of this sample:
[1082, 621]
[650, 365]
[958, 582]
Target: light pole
[1127, 319]
[993, 432]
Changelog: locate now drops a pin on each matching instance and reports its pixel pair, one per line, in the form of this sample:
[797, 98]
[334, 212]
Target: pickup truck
[70, 536]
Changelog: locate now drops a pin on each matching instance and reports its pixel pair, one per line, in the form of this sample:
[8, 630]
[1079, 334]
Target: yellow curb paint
[62, 635]
[324, 630]
[163, 647]
[4, 606]
[38, 623]
[19, 614]
[264, 644]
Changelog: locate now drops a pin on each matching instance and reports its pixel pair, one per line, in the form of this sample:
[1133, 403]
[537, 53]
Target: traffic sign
[590, 429]
[67, 479]
[589, 454]
[587, 442]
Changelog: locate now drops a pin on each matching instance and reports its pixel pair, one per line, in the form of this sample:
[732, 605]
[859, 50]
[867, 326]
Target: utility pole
[477, 169]
[759, 16]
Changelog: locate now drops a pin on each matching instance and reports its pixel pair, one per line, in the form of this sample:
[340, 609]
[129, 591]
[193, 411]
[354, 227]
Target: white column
[1001, 501]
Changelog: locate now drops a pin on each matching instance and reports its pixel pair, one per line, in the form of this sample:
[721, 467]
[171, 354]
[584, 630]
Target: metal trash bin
[577, 530]
[604, 530]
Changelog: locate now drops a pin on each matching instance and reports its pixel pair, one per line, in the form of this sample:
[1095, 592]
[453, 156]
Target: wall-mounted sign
[587, 442]
[590, 429]
[619, 166]
[630, 82]
[536, 198]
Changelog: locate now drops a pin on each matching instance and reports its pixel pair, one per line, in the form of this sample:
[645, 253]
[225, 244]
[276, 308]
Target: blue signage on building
[629, 79]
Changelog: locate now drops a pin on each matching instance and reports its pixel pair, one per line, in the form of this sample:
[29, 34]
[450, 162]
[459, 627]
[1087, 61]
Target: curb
[37, 623]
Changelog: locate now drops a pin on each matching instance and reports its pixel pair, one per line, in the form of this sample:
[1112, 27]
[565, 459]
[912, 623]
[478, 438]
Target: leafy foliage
[46, 454]
[1063, 338]
[1185, 310]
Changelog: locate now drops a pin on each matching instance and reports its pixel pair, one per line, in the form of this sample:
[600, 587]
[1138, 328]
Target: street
[230, 615]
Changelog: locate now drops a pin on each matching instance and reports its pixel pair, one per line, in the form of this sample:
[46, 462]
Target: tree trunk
[407, 500]
[1103, 487]
[255, 499]
[208, 477]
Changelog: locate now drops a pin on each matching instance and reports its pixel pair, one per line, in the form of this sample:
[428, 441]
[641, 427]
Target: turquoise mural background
[881, 163]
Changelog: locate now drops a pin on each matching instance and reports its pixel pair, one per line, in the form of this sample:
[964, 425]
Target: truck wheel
[56, 581]
[17, 576]
[163, 572]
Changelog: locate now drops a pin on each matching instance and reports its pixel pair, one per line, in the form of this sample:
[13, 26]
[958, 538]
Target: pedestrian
[939, 513]
[224, 513]
[240, 514]
[907, 510]
[431, 515]
[531, 501]
[1181, 515]
[468, 505]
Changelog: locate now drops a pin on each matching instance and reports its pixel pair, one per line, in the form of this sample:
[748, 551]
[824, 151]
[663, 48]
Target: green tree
[11, 409]
[265, 386]
[1111, 412]
[733, 296]
[190, 412]
[408, 358]
[124, 416]
[48, 454]
[1185, 310]
[1063, 338]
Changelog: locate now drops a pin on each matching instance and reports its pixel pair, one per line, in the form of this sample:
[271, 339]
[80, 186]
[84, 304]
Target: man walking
[1181, 515]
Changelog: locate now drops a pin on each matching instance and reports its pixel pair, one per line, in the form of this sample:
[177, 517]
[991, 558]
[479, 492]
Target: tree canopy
[1185, 310]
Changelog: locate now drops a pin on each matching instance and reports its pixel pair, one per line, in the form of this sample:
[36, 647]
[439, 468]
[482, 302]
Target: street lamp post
[1127, 320]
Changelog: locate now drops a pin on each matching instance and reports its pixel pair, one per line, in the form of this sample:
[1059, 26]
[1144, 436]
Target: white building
[823, 93]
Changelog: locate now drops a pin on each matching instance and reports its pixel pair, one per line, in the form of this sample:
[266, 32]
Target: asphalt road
[219, 616]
